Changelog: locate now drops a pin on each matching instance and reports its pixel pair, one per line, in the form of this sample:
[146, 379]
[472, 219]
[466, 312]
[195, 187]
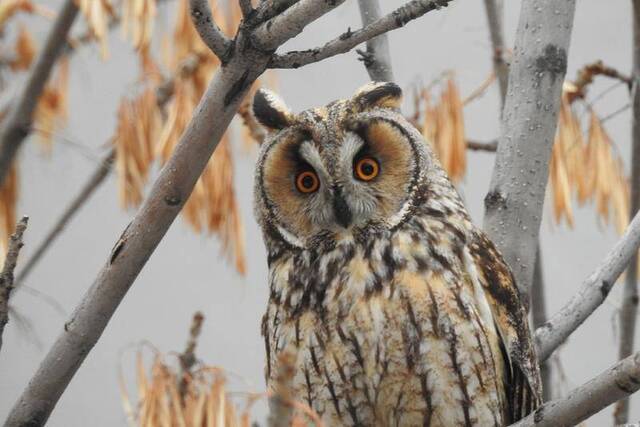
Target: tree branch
[494, 11]
[347, 41]
[98, 176]
[15, 127]
[629, 310]
[377, 57]
[513, 206]
[617, 382]
[6, 276]
[208, 30]
[593, 292]
[288, 24]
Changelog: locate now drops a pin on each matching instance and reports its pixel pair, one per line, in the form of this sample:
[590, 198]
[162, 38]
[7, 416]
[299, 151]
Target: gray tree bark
[377, 57]
[615, 383]
[629, 310]
[494, 9]
[17, 125]
[516, 196]
[6, 275]
[592, 293]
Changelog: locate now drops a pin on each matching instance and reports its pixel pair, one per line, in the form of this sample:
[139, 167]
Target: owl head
[337, 171]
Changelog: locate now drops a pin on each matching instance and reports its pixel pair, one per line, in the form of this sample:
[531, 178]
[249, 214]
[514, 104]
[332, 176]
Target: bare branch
[208, 30]
[617, 382]
[273, 33]
[98, 176]
[629, 310]
[6, 276]
[347, 41]
[513, 206]
[500, 67]
[188, 357]
[593, 292]
[16, 126]
[490, 146]
[377, 57]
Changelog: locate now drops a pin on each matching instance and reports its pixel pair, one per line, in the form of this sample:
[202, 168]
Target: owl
[391, 306]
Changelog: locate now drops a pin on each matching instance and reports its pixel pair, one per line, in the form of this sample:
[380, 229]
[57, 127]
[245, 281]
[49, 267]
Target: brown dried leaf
[25, 50]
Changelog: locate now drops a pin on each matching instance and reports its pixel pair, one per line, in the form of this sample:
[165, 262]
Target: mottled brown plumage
[395, 308]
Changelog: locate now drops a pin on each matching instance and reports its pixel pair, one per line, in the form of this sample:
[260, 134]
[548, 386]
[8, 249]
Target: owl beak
[341, 209]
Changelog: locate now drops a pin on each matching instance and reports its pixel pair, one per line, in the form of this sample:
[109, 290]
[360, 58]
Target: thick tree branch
[593, 292]
[494, 11]
[165, 199]
[6, 276]
[208, 30]
[377, 57]
[617, 382]
[516, 195]
[98, 176]
[347, 41]
[15, 127]
[629, 310]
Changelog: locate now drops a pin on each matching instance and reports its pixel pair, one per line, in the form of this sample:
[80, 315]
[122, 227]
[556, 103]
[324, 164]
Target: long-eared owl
[395, 309]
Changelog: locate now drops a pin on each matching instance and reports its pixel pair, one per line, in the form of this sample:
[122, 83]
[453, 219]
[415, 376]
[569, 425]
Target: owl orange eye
[367, 168]
[307, 182]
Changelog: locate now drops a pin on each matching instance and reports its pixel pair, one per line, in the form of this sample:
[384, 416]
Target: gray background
[186, 272]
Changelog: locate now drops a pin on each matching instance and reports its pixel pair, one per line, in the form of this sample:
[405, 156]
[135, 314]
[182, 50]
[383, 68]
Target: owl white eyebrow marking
[350, 146]
[310, 153]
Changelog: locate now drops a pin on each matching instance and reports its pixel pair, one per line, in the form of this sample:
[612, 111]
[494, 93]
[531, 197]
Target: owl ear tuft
[378, 94]
[270, 110]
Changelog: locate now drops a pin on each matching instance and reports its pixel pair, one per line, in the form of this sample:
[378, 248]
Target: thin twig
[495, 20]
[480, 90]
[16, 126]
[97, 177]
[188, 357]
[347, 41]
[209, 31]
[490, 146]
[617, 382]
[377, 57]
[593, 292]
[6, 276]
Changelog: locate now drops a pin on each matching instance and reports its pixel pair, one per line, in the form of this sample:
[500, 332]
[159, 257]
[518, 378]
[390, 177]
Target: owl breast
[391, 329]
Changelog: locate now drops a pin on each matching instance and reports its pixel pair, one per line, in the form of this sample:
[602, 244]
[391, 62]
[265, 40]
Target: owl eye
[307, 182]
[367, 168]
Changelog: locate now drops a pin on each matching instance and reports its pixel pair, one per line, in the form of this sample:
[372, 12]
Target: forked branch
[208, 30]
[347, 41]
[592, 293]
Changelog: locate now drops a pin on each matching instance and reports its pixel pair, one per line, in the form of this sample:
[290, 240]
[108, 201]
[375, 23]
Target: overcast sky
[186, 273]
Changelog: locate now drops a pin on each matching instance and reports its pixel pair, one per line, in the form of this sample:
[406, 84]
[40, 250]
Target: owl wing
[523, 388]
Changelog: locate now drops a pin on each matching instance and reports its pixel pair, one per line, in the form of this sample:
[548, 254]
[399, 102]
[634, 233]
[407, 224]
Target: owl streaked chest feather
[391, 330]
[394, 308]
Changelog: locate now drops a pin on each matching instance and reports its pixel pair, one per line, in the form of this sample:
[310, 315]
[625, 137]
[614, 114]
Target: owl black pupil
[308, 181]
[367, 169]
